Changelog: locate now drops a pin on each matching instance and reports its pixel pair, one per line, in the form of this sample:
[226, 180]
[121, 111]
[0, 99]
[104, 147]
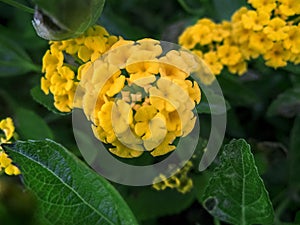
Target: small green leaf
[45, 100]
[286, 104]
[235, 193]
[67, 191]
[31, 125]
[294, 154]
[13, 59]
[64, 19]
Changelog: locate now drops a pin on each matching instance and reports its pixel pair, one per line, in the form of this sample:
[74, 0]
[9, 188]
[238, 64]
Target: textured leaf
[286, 104]
[45, 100]
[13, 59]
[68, 192]
[235, 193]
[294, 154]
[31, 125]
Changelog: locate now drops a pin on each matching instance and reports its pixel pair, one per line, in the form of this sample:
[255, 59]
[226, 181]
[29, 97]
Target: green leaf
[67, 191]
[225, 9]
[13, 59]
[45, 100]
[31, 125]
[213, 107]
[148, 203]
[64, 19]
[287, 104]
[236, 92]
[294, 154]
[235, 193]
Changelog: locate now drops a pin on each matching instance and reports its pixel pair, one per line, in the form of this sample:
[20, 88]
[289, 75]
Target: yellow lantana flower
[249, 34]
[138, 100]
[65, 61]
[8, 129]
[179, 181]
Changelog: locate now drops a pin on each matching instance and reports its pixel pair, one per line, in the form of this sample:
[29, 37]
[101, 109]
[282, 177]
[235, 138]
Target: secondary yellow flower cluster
[140, 98]
[63, 62]
[269, 30]
[7, 131]
[179, 181]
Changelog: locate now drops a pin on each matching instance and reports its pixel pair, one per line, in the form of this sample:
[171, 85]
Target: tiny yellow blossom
[260, 42]
[8, 129]
[276, 29]
[263, 5]
[229, 55]
[52, 59]
[255, 20]
[213, 62]
[289, 7]
[292, 42]
[179, 181]
[277, 56]
[142, 70]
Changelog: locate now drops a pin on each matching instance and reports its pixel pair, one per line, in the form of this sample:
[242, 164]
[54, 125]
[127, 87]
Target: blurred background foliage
[263, 105]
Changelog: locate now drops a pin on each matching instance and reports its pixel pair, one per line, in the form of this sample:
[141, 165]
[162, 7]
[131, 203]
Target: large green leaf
[31, 125]
[45, 100]
[235, 193]
[68, 192]
[13, 59]
[294, 154]
[286, 104]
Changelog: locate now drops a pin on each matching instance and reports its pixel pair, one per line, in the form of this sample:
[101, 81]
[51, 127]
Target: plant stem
[217, 222]
[18, 5]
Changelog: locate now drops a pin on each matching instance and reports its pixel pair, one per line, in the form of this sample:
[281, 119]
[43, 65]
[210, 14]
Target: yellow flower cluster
[64, 61]
[140, 98]
[179, 181]
[7, 129]
[269, 30]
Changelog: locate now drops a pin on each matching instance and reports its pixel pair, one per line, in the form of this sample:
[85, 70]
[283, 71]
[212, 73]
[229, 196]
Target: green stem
[297, 20]
[189, 9]
[18, 5]
[217, 222]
